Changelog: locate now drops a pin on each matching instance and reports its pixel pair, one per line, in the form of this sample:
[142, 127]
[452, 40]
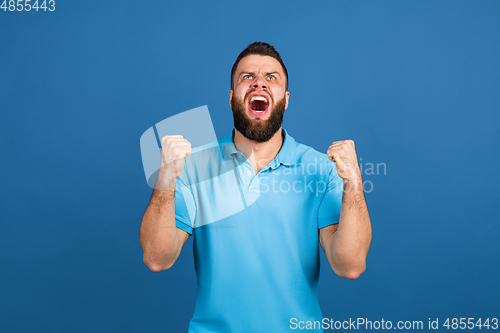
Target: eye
[270, 77]
[247, 77]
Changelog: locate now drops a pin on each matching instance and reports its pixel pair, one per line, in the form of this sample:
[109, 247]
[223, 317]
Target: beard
[256, 129]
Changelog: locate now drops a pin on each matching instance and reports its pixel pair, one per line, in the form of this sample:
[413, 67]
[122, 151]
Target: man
[258, 217]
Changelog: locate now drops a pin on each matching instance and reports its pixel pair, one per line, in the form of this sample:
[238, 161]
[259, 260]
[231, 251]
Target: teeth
[258, 98]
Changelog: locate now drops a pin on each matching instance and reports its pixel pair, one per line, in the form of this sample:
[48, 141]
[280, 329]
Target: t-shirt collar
[286, 155]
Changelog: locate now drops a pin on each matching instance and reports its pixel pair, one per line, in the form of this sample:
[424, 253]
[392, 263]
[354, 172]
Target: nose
[259, 82]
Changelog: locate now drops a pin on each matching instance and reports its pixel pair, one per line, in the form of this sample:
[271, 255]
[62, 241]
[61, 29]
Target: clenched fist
[174, 149]
[344, 156]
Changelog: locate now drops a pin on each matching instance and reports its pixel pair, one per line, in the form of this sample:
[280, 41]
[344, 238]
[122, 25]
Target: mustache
[254, 90]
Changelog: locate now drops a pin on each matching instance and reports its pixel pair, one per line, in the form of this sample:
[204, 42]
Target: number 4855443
[27, 5]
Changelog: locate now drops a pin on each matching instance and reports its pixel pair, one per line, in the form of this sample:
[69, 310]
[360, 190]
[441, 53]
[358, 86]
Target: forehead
[257, 63]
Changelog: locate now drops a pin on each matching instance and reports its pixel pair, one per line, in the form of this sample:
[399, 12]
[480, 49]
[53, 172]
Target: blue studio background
[414, 83]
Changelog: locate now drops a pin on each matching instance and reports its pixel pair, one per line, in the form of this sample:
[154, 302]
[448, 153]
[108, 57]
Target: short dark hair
[263, 49]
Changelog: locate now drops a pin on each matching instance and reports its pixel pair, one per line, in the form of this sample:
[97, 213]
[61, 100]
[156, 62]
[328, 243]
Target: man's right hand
[174, 149]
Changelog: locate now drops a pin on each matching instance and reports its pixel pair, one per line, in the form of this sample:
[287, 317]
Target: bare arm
[346, 244]
[160, 239]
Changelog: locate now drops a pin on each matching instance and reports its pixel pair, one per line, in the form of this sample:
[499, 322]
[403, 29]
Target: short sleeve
[185, 208]
[329, 209]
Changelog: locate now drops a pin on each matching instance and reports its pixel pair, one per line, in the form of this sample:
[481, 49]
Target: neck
[259, 154]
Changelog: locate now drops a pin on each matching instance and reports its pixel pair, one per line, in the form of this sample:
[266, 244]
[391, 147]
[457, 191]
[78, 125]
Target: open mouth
[258, 104]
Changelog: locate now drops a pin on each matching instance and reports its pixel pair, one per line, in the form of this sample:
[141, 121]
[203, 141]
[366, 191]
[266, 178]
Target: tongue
[258, 105]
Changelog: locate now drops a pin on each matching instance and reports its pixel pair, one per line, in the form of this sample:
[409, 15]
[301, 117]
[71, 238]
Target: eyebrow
[268, 73]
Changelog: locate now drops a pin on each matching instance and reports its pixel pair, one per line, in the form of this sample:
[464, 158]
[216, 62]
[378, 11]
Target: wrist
[353, 184]
[166, 179]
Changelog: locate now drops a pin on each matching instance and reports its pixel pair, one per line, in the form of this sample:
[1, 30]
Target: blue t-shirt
[256, 246]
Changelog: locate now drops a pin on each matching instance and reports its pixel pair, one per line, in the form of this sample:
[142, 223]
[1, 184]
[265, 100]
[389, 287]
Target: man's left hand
[343, 154]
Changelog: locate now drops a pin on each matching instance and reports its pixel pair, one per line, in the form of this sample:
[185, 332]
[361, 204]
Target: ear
[287, 95]
[230, 96]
